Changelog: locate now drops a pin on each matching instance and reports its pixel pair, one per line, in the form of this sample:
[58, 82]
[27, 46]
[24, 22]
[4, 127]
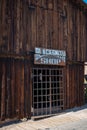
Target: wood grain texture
[52, 24]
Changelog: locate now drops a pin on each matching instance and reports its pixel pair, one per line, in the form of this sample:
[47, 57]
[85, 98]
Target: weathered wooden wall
[54, 24]
[26, 24]
[74, 90]
[14, 88]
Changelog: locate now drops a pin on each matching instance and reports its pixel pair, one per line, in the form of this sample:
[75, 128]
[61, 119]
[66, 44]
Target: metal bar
[55, 88]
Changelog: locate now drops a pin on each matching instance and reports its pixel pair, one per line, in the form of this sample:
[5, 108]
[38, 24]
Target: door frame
[53, 68]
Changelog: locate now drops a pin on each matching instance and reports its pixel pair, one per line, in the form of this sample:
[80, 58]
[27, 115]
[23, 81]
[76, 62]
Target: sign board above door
[49, 56]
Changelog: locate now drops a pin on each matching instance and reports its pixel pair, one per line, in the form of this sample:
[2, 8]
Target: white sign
[49, 57]
[49, 52]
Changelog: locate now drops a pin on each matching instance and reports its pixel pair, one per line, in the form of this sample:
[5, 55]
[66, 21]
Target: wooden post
[3, 89]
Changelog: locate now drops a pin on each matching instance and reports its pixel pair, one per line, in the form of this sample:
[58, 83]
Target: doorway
[47, 91]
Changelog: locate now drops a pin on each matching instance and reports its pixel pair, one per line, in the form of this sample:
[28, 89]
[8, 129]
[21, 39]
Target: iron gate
[47, 91]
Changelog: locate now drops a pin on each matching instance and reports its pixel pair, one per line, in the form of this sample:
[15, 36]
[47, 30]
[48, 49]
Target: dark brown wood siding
[15, 96]
[16, 88]
[74, 88]
[52, 24]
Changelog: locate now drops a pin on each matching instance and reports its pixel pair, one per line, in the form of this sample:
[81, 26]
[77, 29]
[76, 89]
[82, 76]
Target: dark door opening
[47, 91]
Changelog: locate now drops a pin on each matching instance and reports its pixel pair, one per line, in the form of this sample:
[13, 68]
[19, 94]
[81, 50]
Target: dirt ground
[74, 119]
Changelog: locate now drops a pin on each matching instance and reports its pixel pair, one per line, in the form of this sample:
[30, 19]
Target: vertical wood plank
[22, 88]
[13, 91]
[3, 89]
[8, 88]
